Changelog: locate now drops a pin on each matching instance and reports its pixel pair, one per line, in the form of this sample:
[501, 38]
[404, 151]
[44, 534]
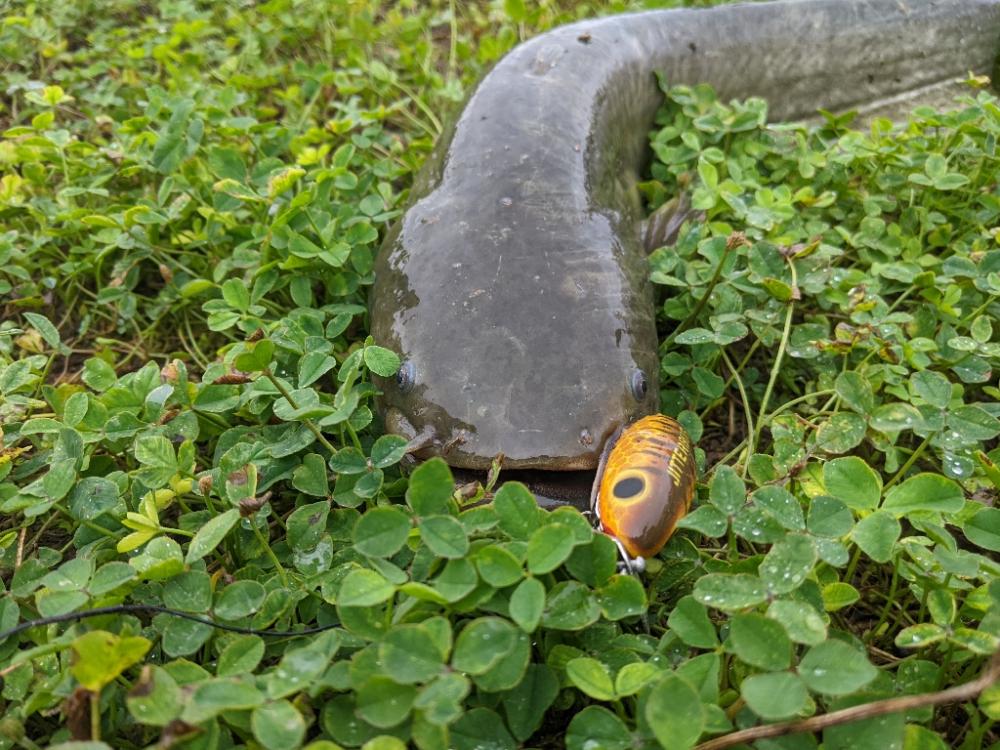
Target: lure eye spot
[628, 487]
[406, 377]
[639, 385]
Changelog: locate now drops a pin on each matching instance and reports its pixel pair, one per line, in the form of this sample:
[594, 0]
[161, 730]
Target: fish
[515, 285]
[645, 485]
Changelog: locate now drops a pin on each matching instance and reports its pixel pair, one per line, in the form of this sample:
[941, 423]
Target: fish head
[534, 349]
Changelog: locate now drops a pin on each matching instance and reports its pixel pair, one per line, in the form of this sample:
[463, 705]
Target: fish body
[646, 485]
[515, 286]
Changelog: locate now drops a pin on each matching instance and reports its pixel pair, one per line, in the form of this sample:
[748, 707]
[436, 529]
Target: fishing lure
[644, 486]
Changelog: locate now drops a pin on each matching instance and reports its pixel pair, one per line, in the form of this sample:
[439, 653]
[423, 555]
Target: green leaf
[675, 713]
[498, 566]
[481, 728]
[623, 596]
[983, 529]
[217, 696]
[788, 563]
[526, 705]
[410, 654]
[838, 595]
[307, 524]
[239, 599]
[381, 361]
[896, 417]
[989, 701]
[591, 677]
[760, 642]
[727, 491]
[973, 424]
[310, 477]
[596, 728]
[236, 294]
[444, 536]
[98, 374]
[256, 358]
[549, 547]
[802, 623]
[441, 701]
[364, 588]
[920, 636]
[49, 333]
[388, 450]
[430, 488]
[101, 656]
[706, 520]
[932, 387]
[855, 391]
[211, 534]
[570, 606]
[527, 604]
[384, 703]
[835, 668]
[227, 163]
[517, 511]
[109, 577]
[634, 676]
[240, 656]
[779, 695]
[382, 531]
[159, 464]
[829, 517]
[482, 644]
[155, 699]
[313, 366]
[456, 580]
[595, 562]
[730, 592]
[689, 620]
[877, 733]
[876, 535]
[841, 433]
[977, 641]
[278, 725]
[161, 559]
[924, 492]
[854, 482]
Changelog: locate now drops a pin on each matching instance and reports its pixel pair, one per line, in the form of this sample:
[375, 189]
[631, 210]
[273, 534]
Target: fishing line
[157, 609]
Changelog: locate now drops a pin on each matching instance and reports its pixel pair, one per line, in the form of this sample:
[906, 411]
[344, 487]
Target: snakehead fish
[515, 284]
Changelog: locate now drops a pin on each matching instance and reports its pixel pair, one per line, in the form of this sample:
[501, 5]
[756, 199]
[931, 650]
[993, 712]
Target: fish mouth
[552, 489]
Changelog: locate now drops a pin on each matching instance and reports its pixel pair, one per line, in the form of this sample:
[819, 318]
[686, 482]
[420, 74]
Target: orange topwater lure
[644, 486]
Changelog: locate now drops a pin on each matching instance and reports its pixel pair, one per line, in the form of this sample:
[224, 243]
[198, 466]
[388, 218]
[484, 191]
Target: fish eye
[406, 377]
[639, 385]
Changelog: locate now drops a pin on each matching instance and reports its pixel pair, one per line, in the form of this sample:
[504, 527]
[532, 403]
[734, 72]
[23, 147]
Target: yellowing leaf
[99, 657]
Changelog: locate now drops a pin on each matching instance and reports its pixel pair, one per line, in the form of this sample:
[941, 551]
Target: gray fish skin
[515, 285]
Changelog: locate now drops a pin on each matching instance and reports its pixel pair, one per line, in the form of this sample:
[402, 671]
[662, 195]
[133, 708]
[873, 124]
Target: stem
[798, 400]
[453, 46]
[785, 334]
[182, 532]
[700, 305]
[307, 422]
[83, 522]
[746, 403]
[958, 694]
[888, 603]
[95, 716]
[270, 553]
[849, 575]
[910, 461]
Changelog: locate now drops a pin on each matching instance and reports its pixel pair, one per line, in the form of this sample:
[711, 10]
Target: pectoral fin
[664, 224]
